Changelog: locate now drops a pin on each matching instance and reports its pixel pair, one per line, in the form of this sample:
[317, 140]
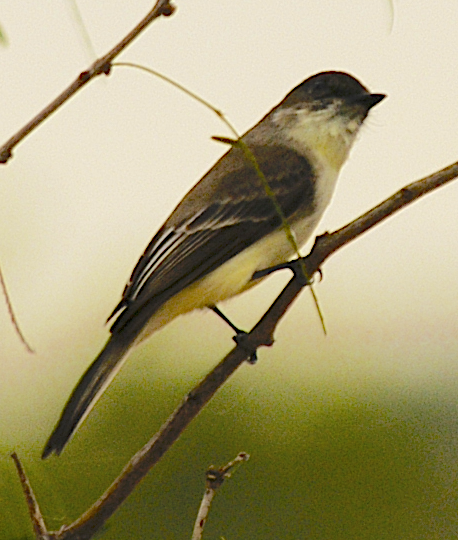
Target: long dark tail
[91, 386]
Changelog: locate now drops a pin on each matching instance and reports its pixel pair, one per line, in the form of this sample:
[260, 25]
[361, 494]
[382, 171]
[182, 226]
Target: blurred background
[351, 435]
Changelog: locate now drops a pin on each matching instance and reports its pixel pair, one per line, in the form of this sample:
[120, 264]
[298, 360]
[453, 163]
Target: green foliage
[324, 464]
[3, 38]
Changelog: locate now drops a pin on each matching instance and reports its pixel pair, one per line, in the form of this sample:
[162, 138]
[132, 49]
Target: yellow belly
[230, 279]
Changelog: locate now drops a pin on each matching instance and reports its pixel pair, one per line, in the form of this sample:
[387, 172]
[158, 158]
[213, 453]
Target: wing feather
[191, 244]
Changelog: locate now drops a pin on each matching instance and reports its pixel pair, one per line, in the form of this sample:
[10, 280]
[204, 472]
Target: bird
[227, 228]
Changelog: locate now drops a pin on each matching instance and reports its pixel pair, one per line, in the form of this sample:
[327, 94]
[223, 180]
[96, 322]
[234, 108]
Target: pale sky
[86, 191]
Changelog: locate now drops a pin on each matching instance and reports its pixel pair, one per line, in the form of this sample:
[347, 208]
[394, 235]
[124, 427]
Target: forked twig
[214, 479]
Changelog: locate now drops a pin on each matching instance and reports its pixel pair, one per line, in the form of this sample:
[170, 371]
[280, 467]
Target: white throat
[325, 135]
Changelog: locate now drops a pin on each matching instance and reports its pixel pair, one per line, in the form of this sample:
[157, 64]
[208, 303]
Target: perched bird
[227, 228]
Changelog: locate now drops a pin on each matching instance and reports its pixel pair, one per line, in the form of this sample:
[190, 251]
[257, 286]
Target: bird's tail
[91, 386]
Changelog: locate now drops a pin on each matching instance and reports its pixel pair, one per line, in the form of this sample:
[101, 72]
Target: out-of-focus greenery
[326, 463]
[3, 38]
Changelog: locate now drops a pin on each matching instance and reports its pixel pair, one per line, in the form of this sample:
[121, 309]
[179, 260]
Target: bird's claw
[240, 338]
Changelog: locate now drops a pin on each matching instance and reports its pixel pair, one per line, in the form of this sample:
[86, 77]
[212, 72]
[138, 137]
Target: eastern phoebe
[227, 228]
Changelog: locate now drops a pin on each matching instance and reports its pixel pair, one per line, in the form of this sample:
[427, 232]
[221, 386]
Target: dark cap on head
[327, 86]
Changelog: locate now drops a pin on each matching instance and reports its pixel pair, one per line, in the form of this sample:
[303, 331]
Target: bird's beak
[370, 100]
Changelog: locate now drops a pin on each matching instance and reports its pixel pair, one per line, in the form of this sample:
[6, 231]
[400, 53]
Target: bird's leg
[239, 334]
[267, 271]
[227, 321]
[291, 265]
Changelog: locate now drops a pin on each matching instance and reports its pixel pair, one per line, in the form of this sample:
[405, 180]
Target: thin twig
[102, 65]
[82, 29]
[214, 479]
[12, 315]
[262, 334]
[202, 515]
[38, 523]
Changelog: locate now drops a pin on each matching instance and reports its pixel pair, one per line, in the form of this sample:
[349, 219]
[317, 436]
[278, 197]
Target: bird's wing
[191, 245]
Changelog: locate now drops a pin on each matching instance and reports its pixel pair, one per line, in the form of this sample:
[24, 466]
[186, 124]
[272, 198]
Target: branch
[102, 65]
[328, 243]
[39, 527]
[142, 462]
[262, 334]
[214, 479]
